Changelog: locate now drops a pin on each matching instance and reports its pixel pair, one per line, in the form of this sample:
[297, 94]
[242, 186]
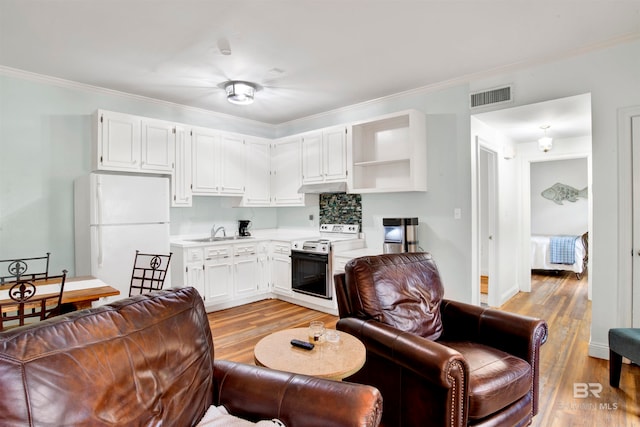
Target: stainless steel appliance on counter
[400, 235]
[311, 260]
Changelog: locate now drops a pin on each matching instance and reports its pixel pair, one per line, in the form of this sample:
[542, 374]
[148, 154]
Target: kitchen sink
[219, 239]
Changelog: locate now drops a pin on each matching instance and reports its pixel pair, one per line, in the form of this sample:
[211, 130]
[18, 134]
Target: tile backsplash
[341, 208]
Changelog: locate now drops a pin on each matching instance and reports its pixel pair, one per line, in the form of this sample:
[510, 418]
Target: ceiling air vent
[490, 97]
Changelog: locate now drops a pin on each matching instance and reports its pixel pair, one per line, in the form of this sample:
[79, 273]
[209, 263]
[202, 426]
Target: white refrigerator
[115, 215]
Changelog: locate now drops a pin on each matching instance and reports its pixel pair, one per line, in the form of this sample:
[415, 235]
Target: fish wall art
[558, 193]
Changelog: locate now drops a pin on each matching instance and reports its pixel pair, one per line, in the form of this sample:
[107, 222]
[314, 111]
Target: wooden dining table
[80, 291]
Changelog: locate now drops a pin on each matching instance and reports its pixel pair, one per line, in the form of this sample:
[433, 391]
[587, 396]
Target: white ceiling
[566, 117]
[310, 56]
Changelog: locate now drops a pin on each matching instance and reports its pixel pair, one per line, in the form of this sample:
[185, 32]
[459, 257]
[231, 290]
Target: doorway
[513, 134]
[487, 210]
[629, 218]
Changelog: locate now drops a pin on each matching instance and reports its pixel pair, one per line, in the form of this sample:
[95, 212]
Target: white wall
[45, 143]
[548, 217]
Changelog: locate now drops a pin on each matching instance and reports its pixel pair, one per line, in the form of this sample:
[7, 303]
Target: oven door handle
[310, 256]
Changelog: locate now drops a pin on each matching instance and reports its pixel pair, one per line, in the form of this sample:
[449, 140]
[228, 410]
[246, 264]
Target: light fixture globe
[239, 92]
[546, 142]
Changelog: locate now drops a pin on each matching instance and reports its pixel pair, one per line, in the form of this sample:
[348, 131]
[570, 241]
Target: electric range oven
[311, 270]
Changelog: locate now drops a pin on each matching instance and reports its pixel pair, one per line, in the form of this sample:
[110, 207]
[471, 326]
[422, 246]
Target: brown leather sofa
[149, 360]
[437, 362]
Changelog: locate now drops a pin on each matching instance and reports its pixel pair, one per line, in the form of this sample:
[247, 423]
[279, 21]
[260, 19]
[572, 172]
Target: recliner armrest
[254, 393]
[513, 333]
[438, 364]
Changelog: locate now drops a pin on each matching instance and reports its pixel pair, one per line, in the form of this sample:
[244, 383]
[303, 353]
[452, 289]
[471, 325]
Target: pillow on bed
[217, 416]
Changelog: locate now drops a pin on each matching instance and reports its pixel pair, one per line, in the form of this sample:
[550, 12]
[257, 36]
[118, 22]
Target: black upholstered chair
[623, 342]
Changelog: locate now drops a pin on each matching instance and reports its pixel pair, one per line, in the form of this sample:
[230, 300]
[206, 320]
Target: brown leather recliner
[437, 362]
[148, 361]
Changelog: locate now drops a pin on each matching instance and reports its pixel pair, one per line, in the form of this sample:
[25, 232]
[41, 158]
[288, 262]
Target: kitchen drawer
[244, 249]
[194, 255]
[212, 252]
[283, 248]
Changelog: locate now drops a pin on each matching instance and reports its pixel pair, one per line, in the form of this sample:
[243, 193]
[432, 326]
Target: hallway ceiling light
[546, 142]
[239, 92]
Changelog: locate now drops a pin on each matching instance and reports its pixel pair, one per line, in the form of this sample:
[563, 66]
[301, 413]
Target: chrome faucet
[215, 230]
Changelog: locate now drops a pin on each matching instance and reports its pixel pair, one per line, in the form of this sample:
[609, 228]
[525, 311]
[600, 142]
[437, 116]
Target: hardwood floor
[559, 299]
[562, 301]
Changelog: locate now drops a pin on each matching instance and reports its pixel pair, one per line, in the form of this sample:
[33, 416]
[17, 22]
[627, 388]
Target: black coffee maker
[243, 227]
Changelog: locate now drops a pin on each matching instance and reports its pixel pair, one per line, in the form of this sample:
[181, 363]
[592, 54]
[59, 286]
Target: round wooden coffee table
[327, 360]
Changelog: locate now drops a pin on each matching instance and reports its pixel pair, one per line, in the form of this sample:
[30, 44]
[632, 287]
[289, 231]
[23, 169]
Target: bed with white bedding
[548, 253]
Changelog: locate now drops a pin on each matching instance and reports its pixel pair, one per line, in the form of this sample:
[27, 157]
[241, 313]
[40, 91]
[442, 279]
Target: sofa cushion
[401, 291]
[146, 360]
[496, 378]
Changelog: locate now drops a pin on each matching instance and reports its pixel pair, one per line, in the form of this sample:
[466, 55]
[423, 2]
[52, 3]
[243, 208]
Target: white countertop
[284, 234]
[355, 253]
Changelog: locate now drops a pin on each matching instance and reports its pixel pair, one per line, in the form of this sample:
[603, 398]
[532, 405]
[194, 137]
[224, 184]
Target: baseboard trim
[599, 350]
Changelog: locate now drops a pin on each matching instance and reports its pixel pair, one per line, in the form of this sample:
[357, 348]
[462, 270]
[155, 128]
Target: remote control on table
[302, 344]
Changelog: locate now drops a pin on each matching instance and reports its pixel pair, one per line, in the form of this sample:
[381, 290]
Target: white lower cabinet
[246, 270]
[193, 269]
[281, 267]
[223, 273]
[218, 274]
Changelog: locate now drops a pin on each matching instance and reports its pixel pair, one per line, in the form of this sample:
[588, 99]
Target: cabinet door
[312, 161]
[258, 173]
[218, 281]
[287, 173]
[281, 267]
[264, 267]
[281, 274]
[232, 164]
[195, 277]
[205, 152]
[158, 141]
[218, 273]
[118, 141]
[335, 153]
[246, 275]
[181, 177]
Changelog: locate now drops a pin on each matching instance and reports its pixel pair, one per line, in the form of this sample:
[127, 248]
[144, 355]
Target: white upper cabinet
[117, 142]
[181, 178]
[133, 144]
[158, 145]
[383, 154]
[324, 155]
[218, 162]
[232, 164]
[312, 158]
[286, 163]
[258, 173]
[205, 149]
[389, 153]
